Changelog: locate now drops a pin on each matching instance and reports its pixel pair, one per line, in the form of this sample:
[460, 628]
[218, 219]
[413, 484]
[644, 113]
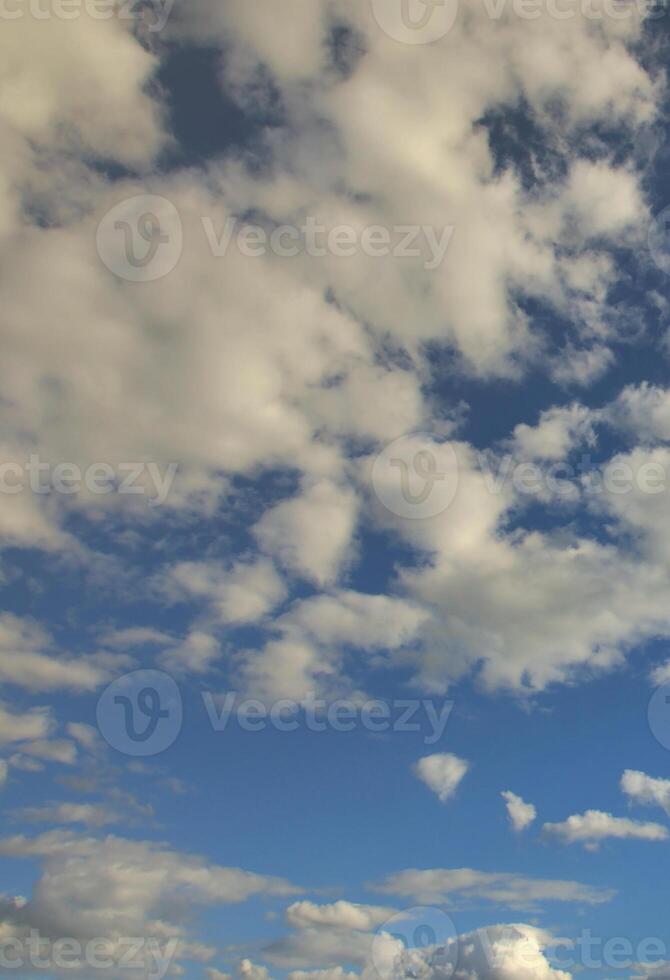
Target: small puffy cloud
[643, 411]
[339, 915]
[521, 814]
[555, 435]
[26, 662]
[661, 674]
[370, 622]
[241, 593]
[250, 971]
[312, 534]
[34, 724]
[646, 790]
[603, 200]
[442, 773]
[195, 655]
[595, 826]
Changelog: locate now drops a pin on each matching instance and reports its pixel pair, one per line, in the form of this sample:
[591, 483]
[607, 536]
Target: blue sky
[336, 351]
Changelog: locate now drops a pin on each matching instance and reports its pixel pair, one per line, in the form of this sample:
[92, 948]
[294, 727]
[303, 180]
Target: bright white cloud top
[442, 773]
[520, 813]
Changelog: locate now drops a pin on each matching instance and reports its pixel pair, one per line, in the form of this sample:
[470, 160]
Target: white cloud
[442, 773]
[521, 814]
[89, 814]
[312, 533]
[370, 622]
[34, 724]
[642, 411]
[339, 915]
[241, 593]
[557, 432]
[247, 970]
[594, 826]
[443, 885]
[646, 790]
[334, 973]
[115, 887]
[195, 655]
[514, 952]
[24, 660]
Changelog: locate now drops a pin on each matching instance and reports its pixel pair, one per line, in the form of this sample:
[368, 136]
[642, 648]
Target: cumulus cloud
[521, 814]
[514, 952]
[26, 660]
[36, 723]
[114, 887]
[442, 773]
[645, 790]
[594, 826]
[339, 915]
[241, 593]
[311, 533]
[296, 366]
